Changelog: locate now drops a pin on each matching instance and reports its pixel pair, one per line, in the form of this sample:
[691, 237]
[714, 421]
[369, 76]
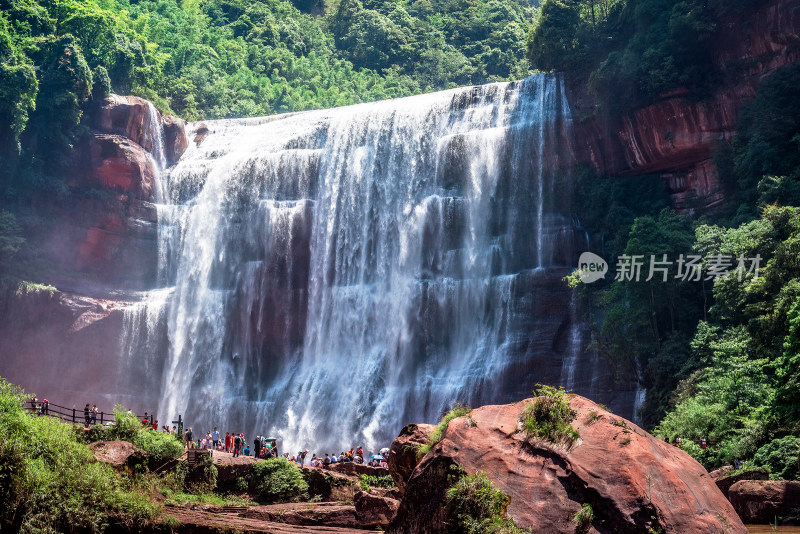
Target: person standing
[215, 438]
[189, 442]
[87, 415]
[94, 414]
[257, 446]
[237, 443]
[228, 441]
[45, 407]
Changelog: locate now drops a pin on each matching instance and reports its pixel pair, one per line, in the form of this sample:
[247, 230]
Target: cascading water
[329, 276]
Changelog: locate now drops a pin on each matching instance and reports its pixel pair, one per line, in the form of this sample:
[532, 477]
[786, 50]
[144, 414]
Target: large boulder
[119, 454]
[374, 510]
[175, 140]
[632, 480]
[128, 116]
[762, 501]
[403, 457]
[724, 483]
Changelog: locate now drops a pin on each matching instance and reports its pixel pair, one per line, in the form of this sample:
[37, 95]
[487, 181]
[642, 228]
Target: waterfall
[155, 137]
[329, 276]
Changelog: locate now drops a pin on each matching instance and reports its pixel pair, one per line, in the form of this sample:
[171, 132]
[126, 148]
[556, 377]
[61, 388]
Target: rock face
[111, 232]
[632, 480]
[761, 501]
[41, 326]
[403, 453]
[373, 510]
[676, 135]
[119, 164]
[354, 469]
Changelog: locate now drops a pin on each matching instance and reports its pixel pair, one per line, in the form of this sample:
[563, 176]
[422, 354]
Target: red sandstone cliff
[110, 233]
[676, 135]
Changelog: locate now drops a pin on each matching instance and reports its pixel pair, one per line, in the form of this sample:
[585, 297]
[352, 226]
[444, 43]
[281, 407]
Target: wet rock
[128, 116]
[200, 133]
[175, 140]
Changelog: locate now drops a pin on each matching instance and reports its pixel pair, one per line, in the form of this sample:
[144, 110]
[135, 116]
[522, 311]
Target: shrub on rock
[278, 480]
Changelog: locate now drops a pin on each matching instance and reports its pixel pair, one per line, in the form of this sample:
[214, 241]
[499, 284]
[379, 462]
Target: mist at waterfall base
[329, 276]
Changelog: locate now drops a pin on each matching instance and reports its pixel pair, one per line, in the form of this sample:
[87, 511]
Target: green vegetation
[548, 417]
[630, 50]
[780, 457]
[179, 498]
[384, 481]
[278, 480]
[227, 58]
[49, 482]
[459, 410]
[583, 518]
[159, 446]
[475, 506]
[719, 357]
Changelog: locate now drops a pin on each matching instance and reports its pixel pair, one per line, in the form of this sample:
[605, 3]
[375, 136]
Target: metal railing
[72, 415]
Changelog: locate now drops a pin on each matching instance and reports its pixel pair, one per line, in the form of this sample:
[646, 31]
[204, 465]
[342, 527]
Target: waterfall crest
[329, 276]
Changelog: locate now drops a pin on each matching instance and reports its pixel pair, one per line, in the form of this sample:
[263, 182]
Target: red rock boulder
[724, 483]
[374, 510]
[762, 501]
[632, 480]
[119, 454]
[175, 140]
[403, 456]
[128, 116]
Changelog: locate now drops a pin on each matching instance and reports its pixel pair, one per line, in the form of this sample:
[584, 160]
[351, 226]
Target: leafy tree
[780, 457]
[555, 40]
[18, 87]
[10, 240]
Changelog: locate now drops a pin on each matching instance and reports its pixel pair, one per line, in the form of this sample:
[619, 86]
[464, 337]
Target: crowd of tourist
[233, 442]
[354, 455]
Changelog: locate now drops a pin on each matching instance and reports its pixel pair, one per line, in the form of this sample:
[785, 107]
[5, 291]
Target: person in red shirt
[227, 442]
